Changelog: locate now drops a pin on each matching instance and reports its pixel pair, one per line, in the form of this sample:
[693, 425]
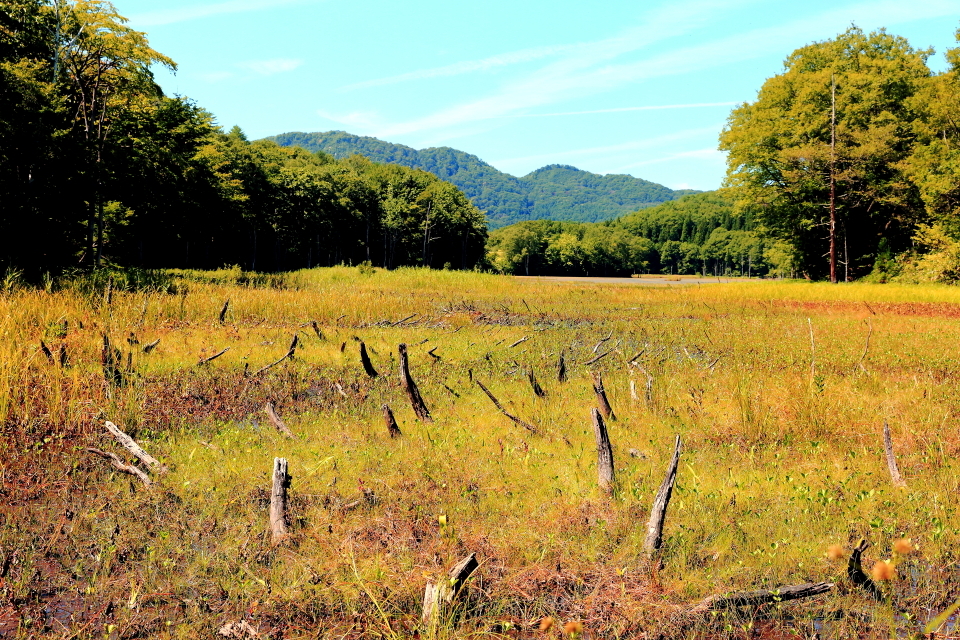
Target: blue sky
[641, 88]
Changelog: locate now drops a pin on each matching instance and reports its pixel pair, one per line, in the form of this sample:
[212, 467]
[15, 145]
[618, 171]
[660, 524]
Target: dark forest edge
[98, 168]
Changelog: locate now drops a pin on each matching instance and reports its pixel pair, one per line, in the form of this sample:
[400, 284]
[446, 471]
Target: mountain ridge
[553, 192]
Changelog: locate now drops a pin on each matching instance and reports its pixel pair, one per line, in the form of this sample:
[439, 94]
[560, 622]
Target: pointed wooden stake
[895, 476]
[410, 387]
[391, 422]
[602, 397]
[278, 501]
[658, 513]
[440, 596]
[605, 475]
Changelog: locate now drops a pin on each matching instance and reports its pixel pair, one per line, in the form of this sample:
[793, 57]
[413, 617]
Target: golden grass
[780, 464]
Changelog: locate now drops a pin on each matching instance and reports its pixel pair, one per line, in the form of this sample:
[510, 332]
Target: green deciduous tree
[781, 161]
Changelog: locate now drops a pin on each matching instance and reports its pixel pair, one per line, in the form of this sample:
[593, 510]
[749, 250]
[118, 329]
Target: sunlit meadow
[778, 390]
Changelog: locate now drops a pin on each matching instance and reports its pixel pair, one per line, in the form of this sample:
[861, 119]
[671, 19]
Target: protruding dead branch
[391, 422]
[316, 329]
[150, 346]
[276, 421]
[895, 476]
[131, 445]
[561, 369]
[658, 513]
[763, 596]
[520, 341]
[223, 312]
[278, 501]
[605, 475]
[287, 356]
[46, 351]
[120, 465]
[599, 357]
[866, 346]
[537, 389]
[856, 574]
[410, 387]
[602, 397]
[526, 425]
[365, 360]
[437, 597]
[213, 357]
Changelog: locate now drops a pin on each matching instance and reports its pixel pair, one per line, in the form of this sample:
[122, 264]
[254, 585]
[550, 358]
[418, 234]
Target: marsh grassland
[779, 392]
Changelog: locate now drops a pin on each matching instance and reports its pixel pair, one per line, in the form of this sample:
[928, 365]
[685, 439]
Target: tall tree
[782, 159]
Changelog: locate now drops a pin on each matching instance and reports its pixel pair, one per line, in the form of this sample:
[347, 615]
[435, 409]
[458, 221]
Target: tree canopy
[859, 111]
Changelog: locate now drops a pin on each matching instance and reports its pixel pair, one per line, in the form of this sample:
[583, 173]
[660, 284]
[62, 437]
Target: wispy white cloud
[272, 66]
[468, 66]
[593, 68]
[695, 154]
[608, 150]
[195, 12]
[658, 107]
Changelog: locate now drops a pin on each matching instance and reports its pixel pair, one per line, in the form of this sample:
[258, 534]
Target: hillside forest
[98, 167]
[553, 192]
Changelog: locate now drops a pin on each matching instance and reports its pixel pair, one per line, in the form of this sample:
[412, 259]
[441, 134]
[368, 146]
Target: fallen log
[440, 596]
[131, 445]
[526, 425]
[763, 596]
[120, 465]
[276, 421]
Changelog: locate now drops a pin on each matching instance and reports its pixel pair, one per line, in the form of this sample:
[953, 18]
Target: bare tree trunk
[410, 387]
[365, 360]
[602, 397]
[278, 501]
[223, 311]
[537, 389]
[437, 597]
[658, 513]
[605, 474]
[561, 369]
[391, 422]
[895, 476]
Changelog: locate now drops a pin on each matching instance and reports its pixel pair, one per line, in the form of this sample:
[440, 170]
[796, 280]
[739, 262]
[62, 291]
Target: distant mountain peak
[553, 192]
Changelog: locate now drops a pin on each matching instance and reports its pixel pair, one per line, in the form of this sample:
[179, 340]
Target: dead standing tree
[602, 397]
[658, 513]
[278, 501]
[365, 360]
[410, 387]
[605, 475]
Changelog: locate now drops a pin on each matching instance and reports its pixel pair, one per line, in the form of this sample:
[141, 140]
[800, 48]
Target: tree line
[697, 234]
[99, 167]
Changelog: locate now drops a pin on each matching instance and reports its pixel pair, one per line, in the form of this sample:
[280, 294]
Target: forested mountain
[99, 168]
[699, 233]
[555, 192]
